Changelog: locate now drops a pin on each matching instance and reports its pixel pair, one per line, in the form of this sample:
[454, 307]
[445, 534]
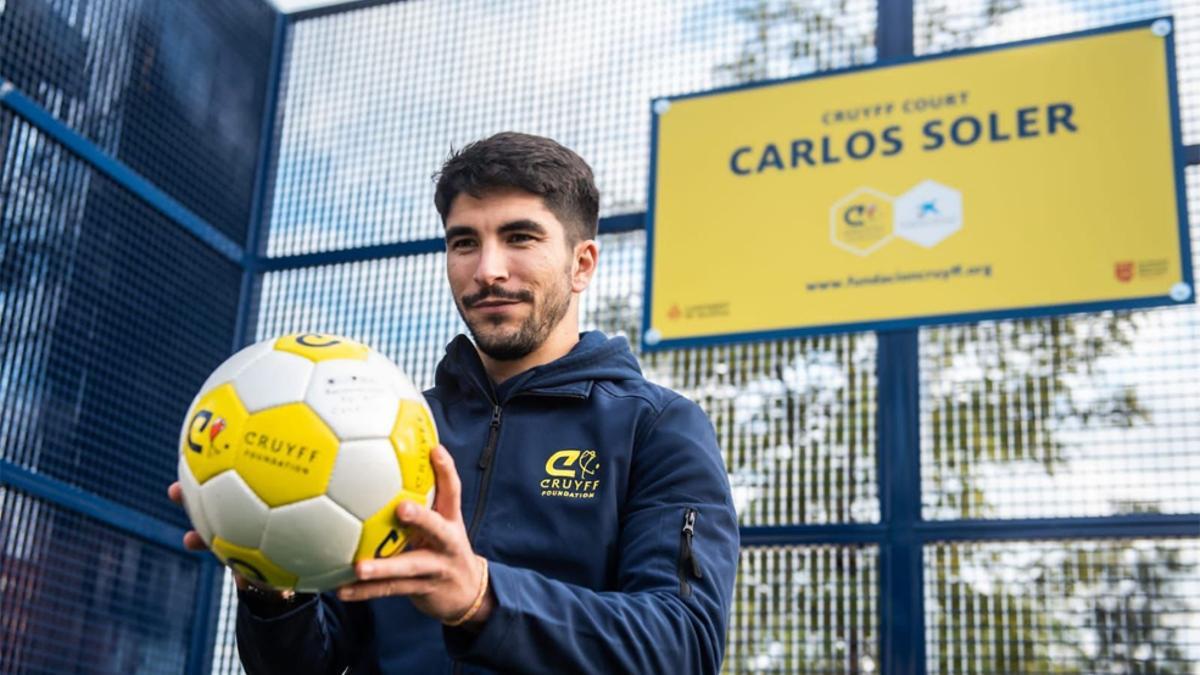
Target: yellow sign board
[1041, 177]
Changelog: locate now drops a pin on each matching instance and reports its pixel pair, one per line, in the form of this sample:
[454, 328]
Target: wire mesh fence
[1088, 415]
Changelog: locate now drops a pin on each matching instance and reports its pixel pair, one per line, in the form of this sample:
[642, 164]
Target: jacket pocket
[688, 567]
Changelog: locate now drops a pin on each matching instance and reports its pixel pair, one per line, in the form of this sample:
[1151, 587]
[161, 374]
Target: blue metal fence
[135, 214]
[129, 133]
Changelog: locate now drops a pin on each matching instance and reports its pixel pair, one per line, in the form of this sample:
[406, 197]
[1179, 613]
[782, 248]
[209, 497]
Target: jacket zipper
[485, 463]
[687, 557]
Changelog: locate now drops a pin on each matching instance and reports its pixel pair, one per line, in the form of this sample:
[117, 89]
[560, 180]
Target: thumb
[448, 500]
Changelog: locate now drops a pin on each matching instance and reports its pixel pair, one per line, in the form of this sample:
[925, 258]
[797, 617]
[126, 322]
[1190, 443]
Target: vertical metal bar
[894, 30]
[255, 233]
[901, 570]
[901, 582]
[208, 587]
[204, 618]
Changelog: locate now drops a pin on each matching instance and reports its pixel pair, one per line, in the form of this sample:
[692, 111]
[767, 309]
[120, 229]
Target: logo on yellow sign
[861, 221]
[866, 219]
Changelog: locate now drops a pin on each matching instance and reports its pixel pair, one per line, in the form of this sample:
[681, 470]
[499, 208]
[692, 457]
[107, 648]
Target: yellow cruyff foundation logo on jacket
[571, 474]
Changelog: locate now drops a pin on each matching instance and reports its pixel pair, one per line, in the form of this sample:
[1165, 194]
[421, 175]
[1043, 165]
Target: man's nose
[492, 267]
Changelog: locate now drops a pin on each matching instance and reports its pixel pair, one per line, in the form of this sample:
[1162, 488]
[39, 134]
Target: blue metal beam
[327, 10]
[207, 603]
[788, 535]
[898, 443]
[205, 607]
[129, 521]
[256, 235]
[135, 183]
[350, 255]
[901, 572]
[1133, 526]
[627, 222]
[893, 29]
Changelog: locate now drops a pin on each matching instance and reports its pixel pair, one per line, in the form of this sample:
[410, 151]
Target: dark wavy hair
[532, 163]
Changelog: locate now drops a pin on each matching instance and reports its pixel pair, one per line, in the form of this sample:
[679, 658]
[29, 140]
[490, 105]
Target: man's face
[510, 270]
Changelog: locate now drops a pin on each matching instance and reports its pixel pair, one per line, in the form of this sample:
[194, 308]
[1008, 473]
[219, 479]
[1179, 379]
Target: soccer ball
[295, 454]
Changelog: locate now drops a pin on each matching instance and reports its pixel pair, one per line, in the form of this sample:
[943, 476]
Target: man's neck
[560, 341]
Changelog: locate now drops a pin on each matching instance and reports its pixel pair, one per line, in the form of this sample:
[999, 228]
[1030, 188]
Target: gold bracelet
[483, 585]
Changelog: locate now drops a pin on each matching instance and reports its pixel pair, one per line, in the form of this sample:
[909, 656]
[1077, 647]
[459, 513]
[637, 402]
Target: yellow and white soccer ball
[295, 454]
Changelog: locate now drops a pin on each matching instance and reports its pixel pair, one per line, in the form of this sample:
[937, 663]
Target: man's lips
[495, 299]
[493, 305]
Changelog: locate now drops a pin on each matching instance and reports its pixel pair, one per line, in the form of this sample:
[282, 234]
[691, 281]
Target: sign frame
[1162, 26]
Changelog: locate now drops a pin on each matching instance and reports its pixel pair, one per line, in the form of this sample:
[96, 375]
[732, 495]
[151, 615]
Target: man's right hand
[192, 541]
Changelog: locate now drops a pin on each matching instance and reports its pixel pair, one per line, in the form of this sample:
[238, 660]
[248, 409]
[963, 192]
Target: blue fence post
[208, 590]
[901, 571]
[204, 617]
[255, 232]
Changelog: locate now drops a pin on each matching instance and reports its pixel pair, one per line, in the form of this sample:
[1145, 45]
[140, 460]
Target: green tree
[795, 37]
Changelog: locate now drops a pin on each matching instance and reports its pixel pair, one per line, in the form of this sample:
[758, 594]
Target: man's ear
[587, 254]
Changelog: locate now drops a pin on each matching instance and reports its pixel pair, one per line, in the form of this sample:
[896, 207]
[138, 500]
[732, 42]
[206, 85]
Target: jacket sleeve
[321, 635]
[667, 615]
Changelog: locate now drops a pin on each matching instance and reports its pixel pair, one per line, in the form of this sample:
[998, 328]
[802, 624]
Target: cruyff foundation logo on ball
[203, 432]
[572, 474]
[866, 219]
[279, 452]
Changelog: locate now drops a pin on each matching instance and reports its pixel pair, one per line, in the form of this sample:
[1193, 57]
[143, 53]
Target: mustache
[496, 293]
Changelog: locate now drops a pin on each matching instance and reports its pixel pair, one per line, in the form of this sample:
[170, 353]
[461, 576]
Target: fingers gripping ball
[295, 454]
[413, 438]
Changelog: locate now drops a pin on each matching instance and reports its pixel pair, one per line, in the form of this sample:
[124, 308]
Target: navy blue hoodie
[603, 507]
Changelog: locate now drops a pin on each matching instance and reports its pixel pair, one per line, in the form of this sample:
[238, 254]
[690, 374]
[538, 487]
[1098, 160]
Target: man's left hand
[439, 571]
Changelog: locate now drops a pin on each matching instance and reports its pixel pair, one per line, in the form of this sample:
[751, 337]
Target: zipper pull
[486, 457]
[689, 531]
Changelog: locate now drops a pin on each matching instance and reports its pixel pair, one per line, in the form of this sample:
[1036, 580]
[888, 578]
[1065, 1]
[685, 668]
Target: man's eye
[461, 244]
[520, 238]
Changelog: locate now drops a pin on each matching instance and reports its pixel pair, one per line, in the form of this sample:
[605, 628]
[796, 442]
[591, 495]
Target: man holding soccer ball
[582, 522]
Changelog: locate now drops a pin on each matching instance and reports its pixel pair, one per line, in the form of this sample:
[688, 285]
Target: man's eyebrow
[458, 231]
[523, 225]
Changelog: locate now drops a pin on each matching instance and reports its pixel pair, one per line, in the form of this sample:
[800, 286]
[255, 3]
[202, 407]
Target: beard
[504, 344]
